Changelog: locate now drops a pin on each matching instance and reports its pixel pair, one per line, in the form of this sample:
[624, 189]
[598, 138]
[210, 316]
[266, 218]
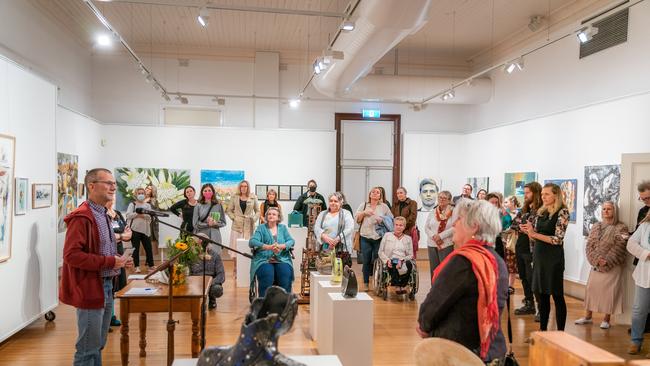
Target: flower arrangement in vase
[190, 249]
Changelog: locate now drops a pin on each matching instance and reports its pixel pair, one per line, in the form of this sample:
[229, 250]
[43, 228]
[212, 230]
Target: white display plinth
[322, 360]
[243, 264]
[299, 235]
[348, 328]
[323, 288]
[314, 278]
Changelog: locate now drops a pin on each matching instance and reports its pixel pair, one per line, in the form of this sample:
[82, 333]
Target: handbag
[356, 243]
[511, 240]
[415, 238]
[509, 358]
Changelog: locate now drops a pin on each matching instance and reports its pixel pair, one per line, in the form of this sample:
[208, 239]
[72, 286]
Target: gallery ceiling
[460, 34]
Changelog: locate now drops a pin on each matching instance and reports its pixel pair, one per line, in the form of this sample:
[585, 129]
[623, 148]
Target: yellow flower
[180, 246]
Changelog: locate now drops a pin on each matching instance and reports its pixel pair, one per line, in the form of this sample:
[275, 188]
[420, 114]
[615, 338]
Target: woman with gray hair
[469, 288]
[334, 226]
[439, 231]
[606, 253]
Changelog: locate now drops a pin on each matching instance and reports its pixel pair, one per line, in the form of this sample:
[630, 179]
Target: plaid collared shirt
[107, 243]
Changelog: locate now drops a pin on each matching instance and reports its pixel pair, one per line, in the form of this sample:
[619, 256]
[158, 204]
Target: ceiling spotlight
[294, 103]
[317, 68]
[148, 78]
[512, 66]
[535, 22]
[347, 26]
[165, 96]
[104, 40]
[182, 99]
[204, 16]
[586, 34]
[448, 95]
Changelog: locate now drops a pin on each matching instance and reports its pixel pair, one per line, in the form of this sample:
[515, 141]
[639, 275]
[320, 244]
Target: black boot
[212, 303]
[527, 309]
[269, 318]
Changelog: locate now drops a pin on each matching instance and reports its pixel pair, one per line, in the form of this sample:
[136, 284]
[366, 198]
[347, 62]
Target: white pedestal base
[314, 278]
[347, 330]
[243, 264]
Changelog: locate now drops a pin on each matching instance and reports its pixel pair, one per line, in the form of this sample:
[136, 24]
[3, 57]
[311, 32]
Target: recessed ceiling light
[104, 40]
[294, 103]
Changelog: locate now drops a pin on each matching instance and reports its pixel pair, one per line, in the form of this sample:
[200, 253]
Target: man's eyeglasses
[644, 199]
[107, 182]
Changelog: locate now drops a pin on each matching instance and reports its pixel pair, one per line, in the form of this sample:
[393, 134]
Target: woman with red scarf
[439, 230]
[469, 288]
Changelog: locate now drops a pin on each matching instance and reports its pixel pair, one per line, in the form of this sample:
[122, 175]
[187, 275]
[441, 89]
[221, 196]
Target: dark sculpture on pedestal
[268, 319]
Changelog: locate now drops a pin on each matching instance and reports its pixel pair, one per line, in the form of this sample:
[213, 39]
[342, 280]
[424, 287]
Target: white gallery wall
[30, 285]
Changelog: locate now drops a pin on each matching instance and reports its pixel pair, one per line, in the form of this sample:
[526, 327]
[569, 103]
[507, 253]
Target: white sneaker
[583, 321]
[604, 325]
[137, 270]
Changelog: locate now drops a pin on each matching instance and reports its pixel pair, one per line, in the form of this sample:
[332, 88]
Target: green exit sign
[371, 113]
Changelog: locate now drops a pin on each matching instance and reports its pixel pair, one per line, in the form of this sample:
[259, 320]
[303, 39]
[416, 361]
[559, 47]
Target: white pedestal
[323, 288]
[322, 360]
[299, 234]
[348, 330]
[243, 264]
[314, 278]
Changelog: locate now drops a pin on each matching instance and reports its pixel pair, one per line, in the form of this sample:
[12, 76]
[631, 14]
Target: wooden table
[187, 298]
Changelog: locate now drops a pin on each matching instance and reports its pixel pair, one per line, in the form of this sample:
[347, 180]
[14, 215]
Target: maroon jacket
[81, 280]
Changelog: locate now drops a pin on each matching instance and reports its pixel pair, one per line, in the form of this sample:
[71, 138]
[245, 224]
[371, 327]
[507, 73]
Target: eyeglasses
[107, 182]
[644, 199]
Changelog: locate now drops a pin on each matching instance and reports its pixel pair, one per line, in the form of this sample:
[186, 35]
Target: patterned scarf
[485, 268]
[442, 218]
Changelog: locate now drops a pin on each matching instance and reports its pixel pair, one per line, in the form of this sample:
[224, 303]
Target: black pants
[119, 281]
[525, 269]
[136, 239]
[400, 280]
[545, 310]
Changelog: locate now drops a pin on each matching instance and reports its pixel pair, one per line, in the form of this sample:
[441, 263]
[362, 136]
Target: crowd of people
[477, 247]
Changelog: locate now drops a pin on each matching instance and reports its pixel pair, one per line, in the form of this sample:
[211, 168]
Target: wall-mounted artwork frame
[569, 188]
[296, 191]
[7, 165]
[285, 192]
[81, 191]
[67, 185]
[21, 194]
[42, 195]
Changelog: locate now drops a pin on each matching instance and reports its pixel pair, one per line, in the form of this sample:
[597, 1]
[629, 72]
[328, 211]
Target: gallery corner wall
[29, 277]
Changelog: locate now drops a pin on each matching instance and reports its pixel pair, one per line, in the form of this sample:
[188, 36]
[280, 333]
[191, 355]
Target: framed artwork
[168, 183]
[513, 183]
[20, 200]
[428, 193]
[225, 183]
[260, 191]
[81, 191]
[42, 195]
[569, 188]
[602, 183]
[305, 189]
[285, 193]
[479, 183]
[67, 177]
[7, 164]
[296, 191]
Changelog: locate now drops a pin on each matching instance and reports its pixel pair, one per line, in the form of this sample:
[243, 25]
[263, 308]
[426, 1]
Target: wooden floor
[52, 343]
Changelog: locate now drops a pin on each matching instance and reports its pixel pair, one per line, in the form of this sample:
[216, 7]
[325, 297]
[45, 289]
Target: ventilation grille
[611, 32]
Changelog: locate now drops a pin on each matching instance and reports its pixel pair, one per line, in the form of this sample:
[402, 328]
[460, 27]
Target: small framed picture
[296, 191]
[20, 200]
[305, 189]
[42, 195]
[260, 191]
[285, 193]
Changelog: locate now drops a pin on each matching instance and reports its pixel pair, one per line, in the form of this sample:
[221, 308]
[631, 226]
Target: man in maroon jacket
[90, 261]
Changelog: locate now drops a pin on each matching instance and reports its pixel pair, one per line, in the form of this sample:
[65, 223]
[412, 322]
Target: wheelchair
[382, 280]
[252, 290]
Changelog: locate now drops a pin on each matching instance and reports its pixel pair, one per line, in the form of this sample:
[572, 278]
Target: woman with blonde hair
[370, 215]
[271, 201]
[244, 212]
[548, 254]
[606, 253]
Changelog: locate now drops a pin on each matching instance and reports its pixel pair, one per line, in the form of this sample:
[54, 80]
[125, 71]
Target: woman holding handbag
[408, 209]
[209, 216]
[244, 212]
[333, 229]
[369, 215]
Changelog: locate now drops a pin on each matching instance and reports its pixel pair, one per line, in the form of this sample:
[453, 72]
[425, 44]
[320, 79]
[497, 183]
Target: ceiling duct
[379, 26]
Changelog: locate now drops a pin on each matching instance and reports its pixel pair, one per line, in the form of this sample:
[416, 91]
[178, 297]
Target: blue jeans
[370, 252]
[640, 313]
[270, 273]
[93, 325]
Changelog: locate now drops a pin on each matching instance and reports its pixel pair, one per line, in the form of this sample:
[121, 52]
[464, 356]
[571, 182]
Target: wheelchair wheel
[377, 280]
[50, 316]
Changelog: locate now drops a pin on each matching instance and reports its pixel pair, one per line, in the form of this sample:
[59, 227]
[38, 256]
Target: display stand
[349, 334]
[314, 303]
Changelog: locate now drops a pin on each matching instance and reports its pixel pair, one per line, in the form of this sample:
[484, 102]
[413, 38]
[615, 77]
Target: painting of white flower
[168, 183]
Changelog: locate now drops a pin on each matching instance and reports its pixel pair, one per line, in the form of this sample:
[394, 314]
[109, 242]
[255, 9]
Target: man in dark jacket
[311, 196]
[90, 261]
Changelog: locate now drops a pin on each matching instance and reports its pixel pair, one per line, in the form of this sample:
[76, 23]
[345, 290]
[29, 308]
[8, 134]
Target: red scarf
[442, 219]
[486, 271]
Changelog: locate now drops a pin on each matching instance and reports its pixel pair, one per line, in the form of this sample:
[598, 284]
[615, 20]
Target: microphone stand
[171, 324]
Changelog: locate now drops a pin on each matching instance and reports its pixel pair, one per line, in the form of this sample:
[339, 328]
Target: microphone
[141, 210]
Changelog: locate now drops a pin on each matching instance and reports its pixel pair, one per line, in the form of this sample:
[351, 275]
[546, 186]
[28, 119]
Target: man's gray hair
[644, 186]
[484, 216]
[91, 176]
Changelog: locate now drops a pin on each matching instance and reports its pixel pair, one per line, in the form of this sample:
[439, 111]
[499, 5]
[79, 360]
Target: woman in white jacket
[396, 252]
[639, 246]
[439, 229]
[335, 225]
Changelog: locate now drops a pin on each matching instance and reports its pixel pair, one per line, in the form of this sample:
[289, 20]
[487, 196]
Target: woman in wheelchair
[396, 252]
[271, 245]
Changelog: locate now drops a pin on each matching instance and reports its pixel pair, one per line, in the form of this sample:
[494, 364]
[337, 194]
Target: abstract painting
[42, 195]
[569, 188]
[67, 177]
[513, 183]
[20, 201]
[224, 181]
[602, 183]
[169, 185]
[7, 164]
[479, 183]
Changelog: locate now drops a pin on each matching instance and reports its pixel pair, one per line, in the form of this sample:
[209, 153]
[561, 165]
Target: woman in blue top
[271, 262]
